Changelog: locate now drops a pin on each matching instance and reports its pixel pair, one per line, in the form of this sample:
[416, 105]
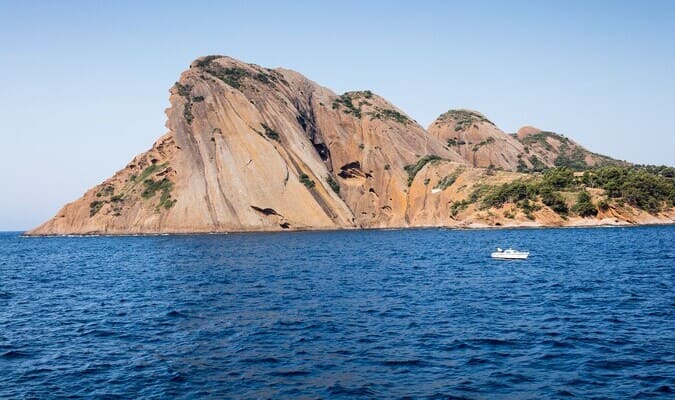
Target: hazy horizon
[85, 84]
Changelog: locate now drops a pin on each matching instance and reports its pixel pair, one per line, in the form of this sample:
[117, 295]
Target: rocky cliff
[257, 149]
[484, 145]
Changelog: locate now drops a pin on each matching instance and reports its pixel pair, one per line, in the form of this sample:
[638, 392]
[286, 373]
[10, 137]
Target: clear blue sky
[84, 85]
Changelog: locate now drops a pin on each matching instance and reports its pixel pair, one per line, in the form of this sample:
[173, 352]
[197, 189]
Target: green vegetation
[183, 90]
[645, 187]
[198, 99]
[413, 169]
[455, 142]
[584, 206]
[387, 167]
[304, 179]
[95, 207]
[115, 199]
[385, 113]
[150, 170]
[106, 191]
[151, 186]
[478, 192]
[346, 101]
[164, 186]
[649, 188]
[271, 133]
[541, 139]
[464, 118]
[554, 200]
[233, 76]
[187, 112]
[511, 192]
[558, 178]
[264, 78]
[537, 164]
[525, 193]
[522, 167]
[528, 207]
[448, 180]
[569, 155]
[574, 159]
[206, 61]
[333, 184]
[166, 201]
[458, 206]
[482, 143]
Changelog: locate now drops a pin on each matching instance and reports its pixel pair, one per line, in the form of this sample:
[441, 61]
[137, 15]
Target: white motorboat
[510, 254]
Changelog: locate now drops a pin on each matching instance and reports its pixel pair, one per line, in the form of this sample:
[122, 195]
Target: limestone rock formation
[484, 145]
[477, 140]
[255, 149]
[544, 149]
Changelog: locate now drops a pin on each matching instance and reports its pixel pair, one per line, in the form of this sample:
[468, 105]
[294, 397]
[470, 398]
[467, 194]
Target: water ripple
[372, 314]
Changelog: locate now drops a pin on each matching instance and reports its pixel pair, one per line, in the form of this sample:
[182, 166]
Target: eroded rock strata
[257, 149]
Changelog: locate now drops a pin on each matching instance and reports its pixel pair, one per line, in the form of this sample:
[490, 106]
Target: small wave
[403, 363]
[175, 314]
[493, 342]
[15, 354]
[342, 352]
[260, 360]
[98, 333]
[337, 390]
[178, 378]
[458, 345]
[559, 344]
[612, 364]
[477, 361]
[289, 322]
[551, 356]
[290, 373]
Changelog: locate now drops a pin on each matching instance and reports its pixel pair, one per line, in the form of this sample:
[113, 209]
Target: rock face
[484, 145]
[477, 140]
[548, 149]
[257, 149]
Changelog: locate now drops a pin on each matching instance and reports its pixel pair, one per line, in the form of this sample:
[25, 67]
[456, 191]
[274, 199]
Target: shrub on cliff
[413, 169]
[584, 206]
[554, 200]
[304, 179]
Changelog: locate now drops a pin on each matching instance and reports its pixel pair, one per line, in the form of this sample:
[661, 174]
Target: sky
[84, 85]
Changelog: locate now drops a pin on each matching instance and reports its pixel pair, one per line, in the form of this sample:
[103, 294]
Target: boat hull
[501, 256]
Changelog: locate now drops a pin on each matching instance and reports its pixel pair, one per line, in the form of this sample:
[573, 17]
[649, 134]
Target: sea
[421, 313]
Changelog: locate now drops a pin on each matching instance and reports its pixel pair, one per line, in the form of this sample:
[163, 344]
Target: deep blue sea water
[354, 314]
